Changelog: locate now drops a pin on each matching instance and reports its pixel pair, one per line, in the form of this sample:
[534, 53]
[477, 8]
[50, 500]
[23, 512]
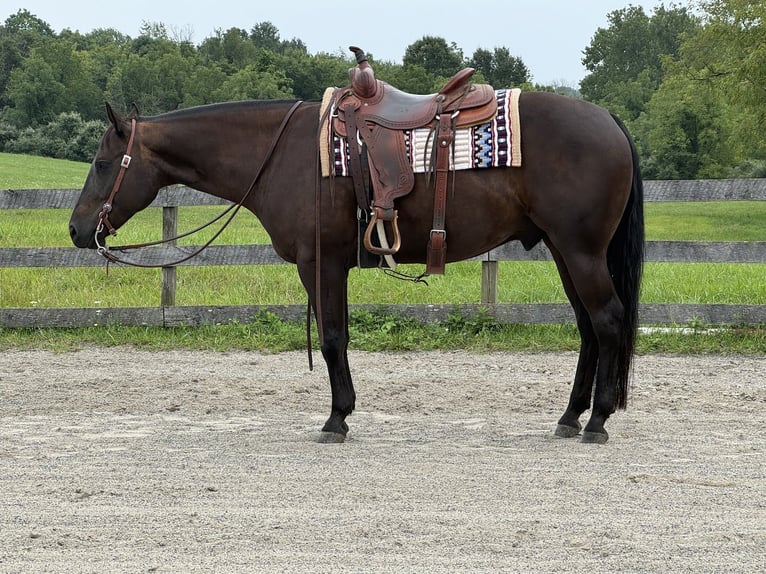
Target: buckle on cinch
[126, 159]
[442, 232]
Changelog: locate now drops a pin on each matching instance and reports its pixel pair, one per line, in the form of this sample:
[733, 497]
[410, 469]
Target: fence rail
[167, 314]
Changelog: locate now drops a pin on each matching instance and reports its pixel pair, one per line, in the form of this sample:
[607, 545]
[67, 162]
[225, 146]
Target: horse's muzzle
[82, 240]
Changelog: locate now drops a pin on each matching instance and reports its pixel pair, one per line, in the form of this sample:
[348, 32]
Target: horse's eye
[103, 165]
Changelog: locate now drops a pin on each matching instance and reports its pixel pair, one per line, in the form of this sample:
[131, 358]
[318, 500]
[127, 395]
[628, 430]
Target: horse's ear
[134, 113]
[114, 119]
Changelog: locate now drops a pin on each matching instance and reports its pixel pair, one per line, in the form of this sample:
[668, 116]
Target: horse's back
[572, 131]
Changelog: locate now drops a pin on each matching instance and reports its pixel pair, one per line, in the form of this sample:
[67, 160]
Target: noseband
[103, 216]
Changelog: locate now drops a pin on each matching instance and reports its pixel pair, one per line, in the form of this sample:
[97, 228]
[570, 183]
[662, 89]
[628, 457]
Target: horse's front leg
[333, 315]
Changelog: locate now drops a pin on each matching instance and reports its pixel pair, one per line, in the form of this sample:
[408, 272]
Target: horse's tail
[625, 259]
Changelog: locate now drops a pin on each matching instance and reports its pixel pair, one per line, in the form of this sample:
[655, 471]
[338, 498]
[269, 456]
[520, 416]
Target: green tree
[311, 75]
[435, 56]
[154, 75]
[18, 35]
[105, 50]
[722, 64]
[411, 78]
[499, 67]
[625, 60]
[686, 132]
[102, 38]
[730, 53]
[232, 50]
[265, 36]
[203, 85]
[53, 79]
[255, 84]
[33, 91]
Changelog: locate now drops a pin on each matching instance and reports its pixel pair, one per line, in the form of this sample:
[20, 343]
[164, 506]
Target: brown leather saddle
[376, 114]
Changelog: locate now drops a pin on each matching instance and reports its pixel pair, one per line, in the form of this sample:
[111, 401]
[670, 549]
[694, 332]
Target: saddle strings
[394, 274]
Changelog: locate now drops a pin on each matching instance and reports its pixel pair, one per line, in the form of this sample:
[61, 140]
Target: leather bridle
[103, 216]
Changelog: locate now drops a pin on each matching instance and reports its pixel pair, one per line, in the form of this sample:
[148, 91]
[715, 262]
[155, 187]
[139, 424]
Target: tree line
[690, 82]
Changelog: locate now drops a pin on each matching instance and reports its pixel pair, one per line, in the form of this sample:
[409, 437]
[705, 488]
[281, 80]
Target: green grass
[706, 221]
[518, 282]
[33, 172]
[378, 331]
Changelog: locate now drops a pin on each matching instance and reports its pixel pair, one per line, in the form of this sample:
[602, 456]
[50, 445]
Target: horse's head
[121, 182]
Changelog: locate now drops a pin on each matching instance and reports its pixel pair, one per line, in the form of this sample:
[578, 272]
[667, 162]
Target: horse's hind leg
[334, 317]
[591, 279]
[587, 362]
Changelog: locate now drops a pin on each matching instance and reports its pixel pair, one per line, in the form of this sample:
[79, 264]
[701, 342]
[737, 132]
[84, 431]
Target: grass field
[33, 172]
[519, 282]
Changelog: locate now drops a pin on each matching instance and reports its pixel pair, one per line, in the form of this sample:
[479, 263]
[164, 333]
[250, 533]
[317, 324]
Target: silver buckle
[126, 159]
[442, 232]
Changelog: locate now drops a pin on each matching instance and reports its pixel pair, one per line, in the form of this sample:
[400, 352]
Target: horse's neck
[215, 155]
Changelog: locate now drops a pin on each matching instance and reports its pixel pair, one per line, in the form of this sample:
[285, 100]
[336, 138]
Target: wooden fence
[168, 314]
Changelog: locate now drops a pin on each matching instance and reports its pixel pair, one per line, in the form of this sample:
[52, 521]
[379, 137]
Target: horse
[579, 191]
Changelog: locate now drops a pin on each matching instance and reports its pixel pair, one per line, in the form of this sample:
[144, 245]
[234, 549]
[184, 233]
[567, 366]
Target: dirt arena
[118, 460]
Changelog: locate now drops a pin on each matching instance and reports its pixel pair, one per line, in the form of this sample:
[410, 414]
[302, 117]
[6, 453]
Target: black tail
[625, 259]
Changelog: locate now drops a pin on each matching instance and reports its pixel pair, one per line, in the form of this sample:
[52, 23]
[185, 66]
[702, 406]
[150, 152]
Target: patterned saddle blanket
[496, 143]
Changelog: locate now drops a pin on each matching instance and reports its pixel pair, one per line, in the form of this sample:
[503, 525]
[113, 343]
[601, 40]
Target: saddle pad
[496, 143]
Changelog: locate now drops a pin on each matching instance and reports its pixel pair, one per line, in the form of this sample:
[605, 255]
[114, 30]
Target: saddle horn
[359, 53]
[361, 76]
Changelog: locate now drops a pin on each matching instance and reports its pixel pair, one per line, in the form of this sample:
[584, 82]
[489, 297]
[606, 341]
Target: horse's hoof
[566, 431]
[590, 437]
[326, 437]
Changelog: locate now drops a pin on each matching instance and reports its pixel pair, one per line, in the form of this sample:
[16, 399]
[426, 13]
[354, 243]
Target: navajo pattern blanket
[496, 143]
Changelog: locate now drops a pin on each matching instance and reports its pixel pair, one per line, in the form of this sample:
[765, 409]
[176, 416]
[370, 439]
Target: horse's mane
[223, 107]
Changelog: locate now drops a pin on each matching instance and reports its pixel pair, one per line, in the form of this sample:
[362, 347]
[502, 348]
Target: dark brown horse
[579, 191]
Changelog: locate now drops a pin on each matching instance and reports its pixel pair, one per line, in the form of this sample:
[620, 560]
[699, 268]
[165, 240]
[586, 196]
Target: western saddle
[376, 113]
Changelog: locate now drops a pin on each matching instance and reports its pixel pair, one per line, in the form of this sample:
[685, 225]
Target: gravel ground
[119, 460]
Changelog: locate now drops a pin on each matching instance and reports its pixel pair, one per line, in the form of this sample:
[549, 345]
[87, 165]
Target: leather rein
[103, 216]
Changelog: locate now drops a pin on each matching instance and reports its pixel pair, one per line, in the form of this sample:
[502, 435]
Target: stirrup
[380, 250]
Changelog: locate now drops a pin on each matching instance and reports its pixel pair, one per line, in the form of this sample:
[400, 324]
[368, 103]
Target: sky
[548, 35]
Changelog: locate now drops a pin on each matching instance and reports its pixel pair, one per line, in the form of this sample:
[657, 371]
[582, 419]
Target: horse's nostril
[72, 231]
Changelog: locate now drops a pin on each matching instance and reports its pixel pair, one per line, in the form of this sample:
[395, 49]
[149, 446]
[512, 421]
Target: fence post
[169, 230]
[489, 280]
